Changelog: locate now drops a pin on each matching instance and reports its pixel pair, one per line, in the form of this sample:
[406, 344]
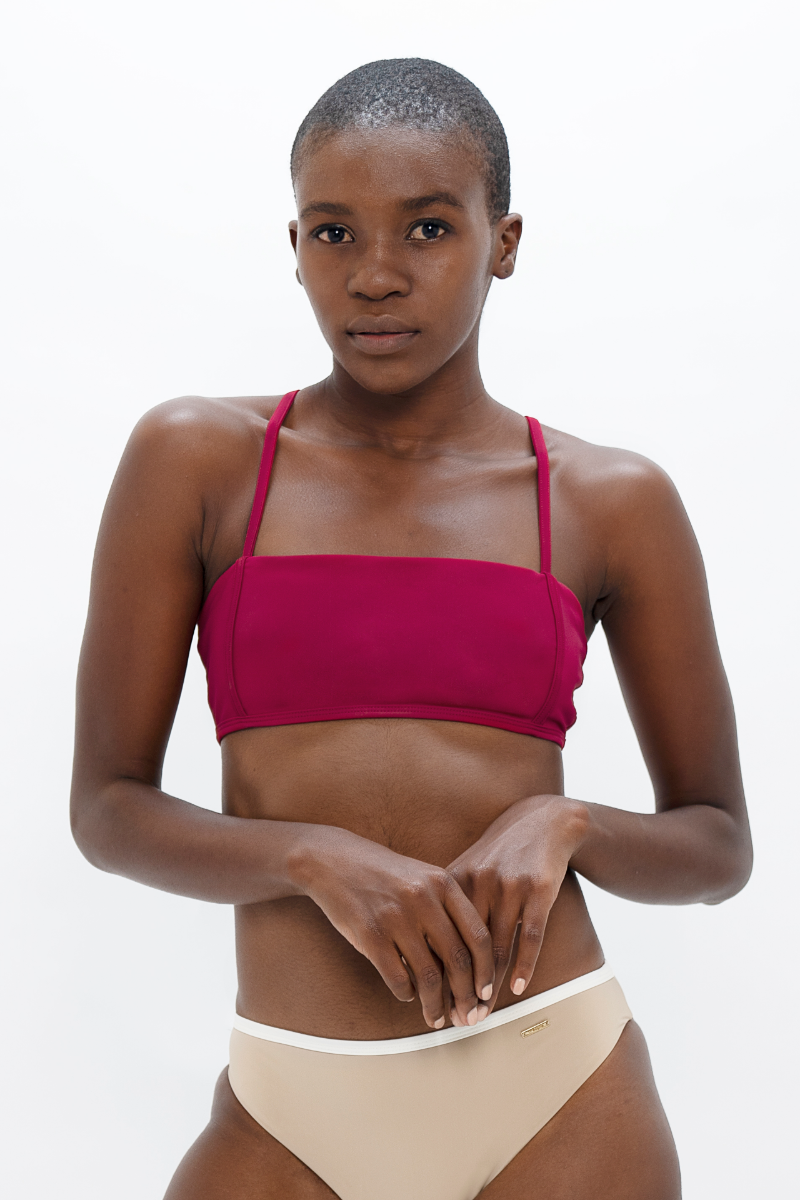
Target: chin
[387, 379]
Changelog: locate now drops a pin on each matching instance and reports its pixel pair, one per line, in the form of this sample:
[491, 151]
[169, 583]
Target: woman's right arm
[178, 482]
[147, 589]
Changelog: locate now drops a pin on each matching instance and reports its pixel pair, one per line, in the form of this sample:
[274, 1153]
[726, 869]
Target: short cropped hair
[417, 93]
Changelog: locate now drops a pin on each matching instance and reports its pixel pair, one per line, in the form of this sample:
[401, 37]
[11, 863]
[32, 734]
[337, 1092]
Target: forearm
[694, 854]
[133, 829]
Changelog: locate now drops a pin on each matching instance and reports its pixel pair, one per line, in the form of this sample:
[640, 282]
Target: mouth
[381, 335]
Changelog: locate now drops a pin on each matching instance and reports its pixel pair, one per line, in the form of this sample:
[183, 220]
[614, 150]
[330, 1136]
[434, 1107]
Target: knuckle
[375, 928]
[484, 875]
[543, 884]
[501, 954]
[510, 889]
[413, 890]
[443, 882]
[372, 934]
[467, 878]
[531, 932]
[480, 936]
[430, 978]
[461, 959]
[397, 978]
[388, 915]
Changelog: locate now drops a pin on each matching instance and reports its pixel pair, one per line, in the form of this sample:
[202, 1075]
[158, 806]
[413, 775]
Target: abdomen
[426, 789]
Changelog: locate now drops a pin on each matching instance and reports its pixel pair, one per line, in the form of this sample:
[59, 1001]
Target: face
[396, 251]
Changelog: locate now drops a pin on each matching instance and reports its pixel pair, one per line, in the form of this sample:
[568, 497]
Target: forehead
[389, 166]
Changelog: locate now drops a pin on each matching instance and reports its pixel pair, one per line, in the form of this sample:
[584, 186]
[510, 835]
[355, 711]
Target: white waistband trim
[421, 1041]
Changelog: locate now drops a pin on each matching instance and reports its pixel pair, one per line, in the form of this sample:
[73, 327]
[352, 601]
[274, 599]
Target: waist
[295, 971]
[422, 1041]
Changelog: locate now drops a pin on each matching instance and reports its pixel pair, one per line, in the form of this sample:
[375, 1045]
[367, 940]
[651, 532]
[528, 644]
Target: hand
[410, 919]
[513, 874]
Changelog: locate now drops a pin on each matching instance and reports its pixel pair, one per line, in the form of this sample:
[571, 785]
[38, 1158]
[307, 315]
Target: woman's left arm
[695, 847]
[657, 618]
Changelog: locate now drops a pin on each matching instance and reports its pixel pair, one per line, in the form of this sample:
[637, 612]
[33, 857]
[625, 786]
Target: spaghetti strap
[543, 479]
[264, 470]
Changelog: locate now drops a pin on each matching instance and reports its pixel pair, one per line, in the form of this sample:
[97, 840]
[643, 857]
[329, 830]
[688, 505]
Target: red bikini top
[287, 639]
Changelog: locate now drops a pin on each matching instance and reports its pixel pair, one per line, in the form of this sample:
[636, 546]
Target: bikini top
[287, 639]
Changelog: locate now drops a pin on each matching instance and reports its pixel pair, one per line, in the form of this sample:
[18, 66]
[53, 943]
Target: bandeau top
[288, 639]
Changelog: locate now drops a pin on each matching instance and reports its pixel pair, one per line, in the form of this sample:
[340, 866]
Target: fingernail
[439, 1024]
[454, 1017]
[472, 1016]
[486, 994]
[483, 1012]
[518, 987]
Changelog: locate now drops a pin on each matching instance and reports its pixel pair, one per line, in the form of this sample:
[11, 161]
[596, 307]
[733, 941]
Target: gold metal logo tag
[534, 1029]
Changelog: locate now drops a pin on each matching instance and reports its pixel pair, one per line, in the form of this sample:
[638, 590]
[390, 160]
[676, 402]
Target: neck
[449, 406]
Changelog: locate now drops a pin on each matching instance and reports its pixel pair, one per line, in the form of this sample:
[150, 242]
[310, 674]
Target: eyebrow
[414, 204]
[418, 202]
[331, 210]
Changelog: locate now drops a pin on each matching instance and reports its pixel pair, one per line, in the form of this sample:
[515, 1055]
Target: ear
[508, 234]
[293, 240]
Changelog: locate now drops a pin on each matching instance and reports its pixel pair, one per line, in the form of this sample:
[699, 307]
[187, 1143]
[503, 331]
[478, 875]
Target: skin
[390, 876]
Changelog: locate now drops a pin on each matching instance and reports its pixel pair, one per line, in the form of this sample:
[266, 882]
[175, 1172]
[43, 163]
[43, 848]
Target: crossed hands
[446, 934]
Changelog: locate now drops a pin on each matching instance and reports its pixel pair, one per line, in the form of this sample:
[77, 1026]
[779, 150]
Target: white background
[145, 197]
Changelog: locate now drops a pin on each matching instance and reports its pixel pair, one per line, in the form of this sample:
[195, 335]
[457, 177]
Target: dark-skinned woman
[395, 577]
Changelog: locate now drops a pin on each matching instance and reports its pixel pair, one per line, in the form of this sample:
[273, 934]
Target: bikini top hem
[422, 712]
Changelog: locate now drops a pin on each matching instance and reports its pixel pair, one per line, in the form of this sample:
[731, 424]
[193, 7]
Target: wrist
[311, 850]
[578, 820]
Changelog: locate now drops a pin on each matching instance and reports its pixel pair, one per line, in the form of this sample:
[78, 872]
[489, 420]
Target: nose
[378, 274]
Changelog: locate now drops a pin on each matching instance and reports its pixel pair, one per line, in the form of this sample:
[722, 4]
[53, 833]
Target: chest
[364, 501]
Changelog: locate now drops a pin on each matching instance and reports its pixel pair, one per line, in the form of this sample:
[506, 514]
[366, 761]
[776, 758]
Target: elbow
[84, 825]
[735, 867]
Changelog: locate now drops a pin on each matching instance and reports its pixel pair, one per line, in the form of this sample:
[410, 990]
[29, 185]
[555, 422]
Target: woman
[395, 577]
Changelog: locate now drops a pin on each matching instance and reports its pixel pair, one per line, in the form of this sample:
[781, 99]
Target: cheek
[456, 292]
[327, 296]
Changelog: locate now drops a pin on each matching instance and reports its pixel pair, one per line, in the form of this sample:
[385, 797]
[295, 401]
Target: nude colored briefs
[431, 1123]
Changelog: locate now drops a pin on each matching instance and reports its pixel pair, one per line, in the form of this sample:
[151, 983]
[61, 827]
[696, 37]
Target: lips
[379, 326]
[380, 335]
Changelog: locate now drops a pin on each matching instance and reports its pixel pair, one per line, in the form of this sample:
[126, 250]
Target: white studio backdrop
[145, 196]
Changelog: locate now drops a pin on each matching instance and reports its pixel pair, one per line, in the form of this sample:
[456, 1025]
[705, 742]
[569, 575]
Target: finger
[487, 993]
[475, 937]
[428, 979]
[444, 940]
[531, 933]
[503, 923]
[394, 972]
[449, 1002]
[447, 996]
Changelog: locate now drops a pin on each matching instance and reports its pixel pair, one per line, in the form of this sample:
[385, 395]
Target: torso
[426, 789]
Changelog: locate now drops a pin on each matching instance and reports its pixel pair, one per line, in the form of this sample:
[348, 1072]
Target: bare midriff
[426, 789]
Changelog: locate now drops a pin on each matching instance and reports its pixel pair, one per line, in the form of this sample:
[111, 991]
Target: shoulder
[200, 437]
[608, 481]
[193, 425]
[621, 515]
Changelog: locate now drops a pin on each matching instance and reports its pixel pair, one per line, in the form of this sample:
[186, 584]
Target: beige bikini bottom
[431, 1117]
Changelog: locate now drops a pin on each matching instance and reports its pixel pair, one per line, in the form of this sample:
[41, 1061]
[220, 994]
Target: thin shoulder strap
[264, 471]
[543, 479]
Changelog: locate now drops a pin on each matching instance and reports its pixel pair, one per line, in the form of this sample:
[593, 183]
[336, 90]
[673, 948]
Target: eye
[427, 231]
[334, 235]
